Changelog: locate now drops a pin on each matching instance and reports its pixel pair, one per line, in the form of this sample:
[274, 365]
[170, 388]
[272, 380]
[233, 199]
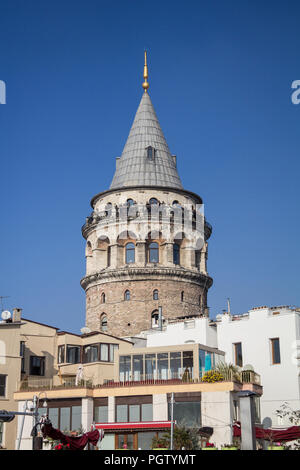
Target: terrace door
[128, 441]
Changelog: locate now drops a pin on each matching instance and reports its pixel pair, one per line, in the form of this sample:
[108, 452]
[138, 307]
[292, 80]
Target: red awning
[287, 434]
[143, 425]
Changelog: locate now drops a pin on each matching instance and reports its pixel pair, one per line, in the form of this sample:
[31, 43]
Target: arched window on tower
[89, 251]
[130, 202]
[108, 209]
[176, 253]
[155, 294]
[103, 298]
[103, 322]
[127, 295]
[108, 256]
[130, 253]
[197, 258]
[153, 201]
[182, 296]
[154, 319]
[153, 252]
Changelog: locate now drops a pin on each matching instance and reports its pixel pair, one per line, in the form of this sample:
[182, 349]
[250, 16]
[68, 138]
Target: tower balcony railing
[164, 214]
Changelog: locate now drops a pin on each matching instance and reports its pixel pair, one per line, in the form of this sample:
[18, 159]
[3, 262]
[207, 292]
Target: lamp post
[172, 420]
[37, 441]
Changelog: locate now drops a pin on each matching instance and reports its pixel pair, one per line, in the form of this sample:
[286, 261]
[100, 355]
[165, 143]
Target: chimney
[16, 315]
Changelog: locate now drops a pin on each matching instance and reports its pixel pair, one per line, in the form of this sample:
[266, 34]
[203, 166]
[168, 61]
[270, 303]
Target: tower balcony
[132, 273]
[168, 217]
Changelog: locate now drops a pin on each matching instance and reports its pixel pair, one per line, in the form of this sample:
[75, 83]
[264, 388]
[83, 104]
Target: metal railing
[47, 384]
[250, 377]
[32, 384]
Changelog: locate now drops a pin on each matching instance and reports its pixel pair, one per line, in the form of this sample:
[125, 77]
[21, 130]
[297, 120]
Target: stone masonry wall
[129, 317]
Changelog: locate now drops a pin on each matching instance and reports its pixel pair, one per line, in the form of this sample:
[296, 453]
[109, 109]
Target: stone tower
[146, 249]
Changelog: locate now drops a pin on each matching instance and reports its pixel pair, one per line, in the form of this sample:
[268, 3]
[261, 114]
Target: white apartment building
[267, 338]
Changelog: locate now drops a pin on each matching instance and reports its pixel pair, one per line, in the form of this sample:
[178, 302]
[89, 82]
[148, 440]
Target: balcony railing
[31, 384]
[250, 377]
[34, 383]
[243, 377]
[146, 212]
[48, 384]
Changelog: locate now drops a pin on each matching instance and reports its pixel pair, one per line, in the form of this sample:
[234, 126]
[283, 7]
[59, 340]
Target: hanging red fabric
[75, 443]
[288, 434]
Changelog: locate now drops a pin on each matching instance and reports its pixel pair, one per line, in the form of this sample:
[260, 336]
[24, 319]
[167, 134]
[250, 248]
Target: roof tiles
[135, 168]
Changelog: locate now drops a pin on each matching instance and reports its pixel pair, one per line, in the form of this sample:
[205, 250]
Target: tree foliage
[293, 416]
[183, 437]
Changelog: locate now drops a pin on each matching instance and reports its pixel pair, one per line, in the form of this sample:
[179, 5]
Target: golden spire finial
[145, 84]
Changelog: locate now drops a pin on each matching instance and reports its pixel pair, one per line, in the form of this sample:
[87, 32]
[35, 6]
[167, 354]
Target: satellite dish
[85, 330]
[219, 317]
[5, 315]
[248, 368]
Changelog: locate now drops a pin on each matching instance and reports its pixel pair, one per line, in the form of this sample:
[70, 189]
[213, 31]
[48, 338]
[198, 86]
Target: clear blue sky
[220, 81]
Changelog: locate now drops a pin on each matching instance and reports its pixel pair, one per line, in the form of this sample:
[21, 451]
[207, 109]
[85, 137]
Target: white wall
[160, 407]
[254, 330]
[216, 412]
[281, 381]
[183, 332]
[111, 409]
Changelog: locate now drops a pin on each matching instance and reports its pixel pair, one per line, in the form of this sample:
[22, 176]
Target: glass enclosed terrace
[166, 365]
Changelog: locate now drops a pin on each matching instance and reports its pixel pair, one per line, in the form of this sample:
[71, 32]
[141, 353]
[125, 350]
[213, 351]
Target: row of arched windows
[127, 296]
[153, 253]
[154, 315]
[152, 201]
[155, 296]
[104, 326]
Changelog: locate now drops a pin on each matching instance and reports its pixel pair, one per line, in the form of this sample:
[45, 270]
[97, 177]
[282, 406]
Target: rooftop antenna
[1, 300]
[228, 306]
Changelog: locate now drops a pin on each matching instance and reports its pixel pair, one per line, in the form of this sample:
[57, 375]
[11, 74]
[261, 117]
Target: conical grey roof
[135, 168]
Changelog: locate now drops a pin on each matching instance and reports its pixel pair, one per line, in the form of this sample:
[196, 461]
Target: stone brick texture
[130, 317]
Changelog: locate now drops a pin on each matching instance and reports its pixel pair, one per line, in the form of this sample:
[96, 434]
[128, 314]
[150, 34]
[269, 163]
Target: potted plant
[160, 443]
[229, 447]
[124, 447]
[209, 446]
[183, 437]
[212, 376]
[275, 446]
